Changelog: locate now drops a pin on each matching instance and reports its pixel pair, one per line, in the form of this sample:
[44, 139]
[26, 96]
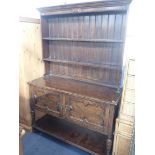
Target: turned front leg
[32, 105]
[108, 145]
[110, 129]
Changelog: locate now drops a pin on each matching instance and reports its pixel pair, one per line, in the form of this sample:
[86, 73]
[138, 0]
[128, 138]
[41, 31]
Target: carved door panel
[47, 100]
[87, 113]
[38, 96]
[53, 103]
[74, 110]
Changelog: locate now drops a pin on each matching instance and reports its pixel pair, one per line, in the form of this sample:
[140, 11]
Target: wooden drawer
[131, 69]
[121, 145]
[123, 127]
[122, 138]
[129, 96]
[47, 100]
[91, 114]
[128, 109]
[126, 117]
[130, 84]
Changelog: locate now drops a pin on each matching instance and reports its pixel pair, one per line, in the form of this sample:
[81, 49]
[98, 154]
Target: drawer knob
[35, 99]
[69, 108]
[59, 107]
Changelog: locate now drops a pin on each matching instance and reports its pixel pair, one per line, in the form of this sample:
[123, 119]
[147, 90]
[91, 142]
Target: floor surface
[41, 144]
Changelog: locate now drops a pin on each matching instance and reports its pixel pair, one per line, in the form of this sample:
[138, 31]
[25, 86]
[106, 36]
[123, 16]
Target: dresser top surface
[77, 87]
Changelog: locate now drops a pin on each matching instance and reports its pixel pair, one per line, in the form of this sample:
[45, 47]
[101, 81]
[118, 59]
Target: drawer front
[130, 84]
[129, 96]
[47, 100]
[87, 113]
[124, 127]
[131, 68]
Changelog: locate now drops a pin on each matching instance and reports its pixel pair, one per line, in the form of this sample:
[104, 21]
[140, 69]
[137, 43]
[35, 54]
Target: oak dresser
[79, 93]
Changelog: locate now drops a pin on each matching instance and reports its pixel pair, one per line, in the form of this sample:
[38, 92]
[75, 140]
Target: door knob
[69, 108]
[59, 107]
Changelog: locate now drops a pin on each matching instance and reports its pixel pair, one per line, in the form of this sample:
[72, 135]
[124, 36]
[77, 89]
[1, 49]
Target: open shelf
[80, 137]
[83, 40]
[109, 66]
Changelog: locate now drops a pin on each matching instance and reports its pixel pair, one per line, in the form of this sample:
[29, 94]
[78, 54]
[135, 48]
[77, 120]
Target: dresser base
[80, 137]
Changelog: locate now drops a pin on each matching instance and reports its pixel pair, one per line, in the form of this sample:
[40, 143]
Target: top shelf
[84, 40]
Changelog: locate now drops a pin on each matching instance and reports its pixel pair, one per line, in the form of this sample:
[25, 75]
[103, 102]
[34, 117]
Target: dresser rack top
[86, 7]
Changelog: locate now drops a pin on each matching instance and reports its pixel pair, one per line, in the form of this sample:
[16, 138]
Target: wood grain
[124, 128]
[83, 138]
[30, 57]
[101, 42]
[83, 56]
[105, 94]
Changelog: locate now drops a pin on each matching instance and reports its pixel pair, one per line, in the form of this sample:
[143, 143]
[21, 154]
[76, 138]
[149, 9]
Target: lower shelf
[82, 138]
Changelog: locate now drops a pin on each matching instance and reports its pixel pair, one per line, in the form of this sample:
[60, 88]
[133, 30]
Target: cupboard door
[48, 101]
[87, 113]
[38, 96]
[53, 103]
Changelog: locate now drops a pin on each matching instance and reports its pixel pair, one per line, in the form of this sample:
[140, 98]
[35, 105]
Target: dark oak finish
[84, 40]
[93, 7]
[81, 88]
[109, 66]
[72, 134]
[104, 94]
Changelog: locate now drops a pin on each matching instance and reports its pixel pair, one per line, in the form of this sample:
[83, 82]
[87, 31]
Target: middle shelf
[109, 66]
[83, 40]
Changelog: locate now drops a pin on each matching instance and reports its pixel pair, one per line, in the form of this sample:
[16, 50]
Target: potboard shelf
[82, 138]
